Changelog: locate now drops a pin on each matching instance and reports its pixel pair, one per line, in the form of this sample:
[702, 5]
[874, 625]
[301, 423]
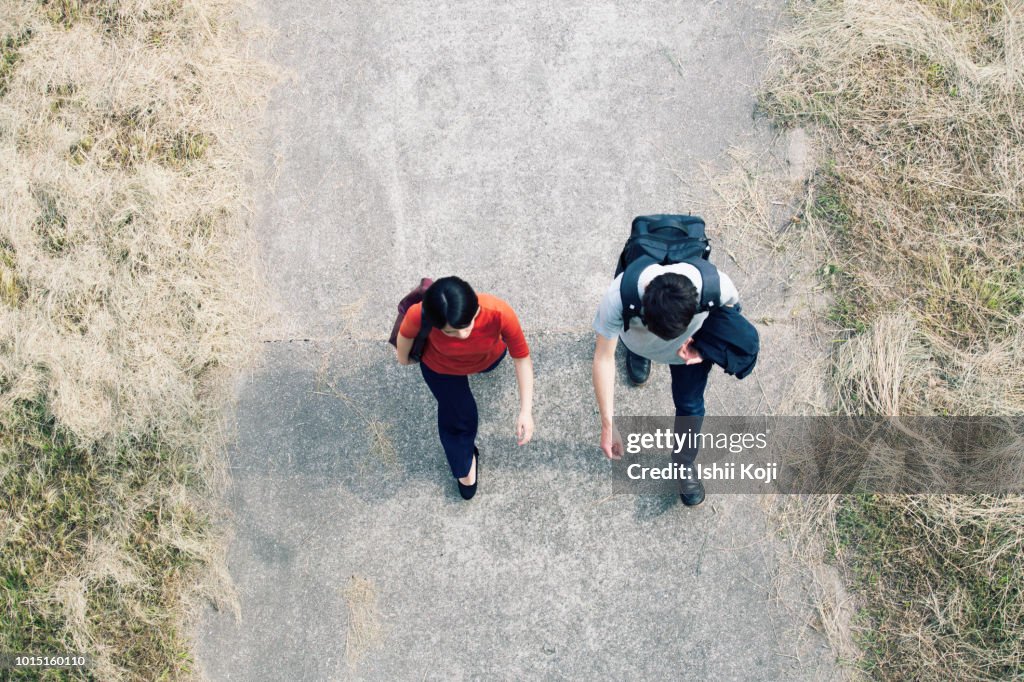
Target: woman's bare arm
[404, 345]
[524, 377]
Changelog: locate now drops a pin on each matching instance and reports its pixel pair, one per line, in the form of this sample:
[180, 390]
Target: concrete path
[510, 143]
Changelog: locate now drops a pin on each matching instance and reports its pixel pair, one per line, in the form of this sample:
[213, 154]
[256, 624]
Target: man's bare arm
[604, 390]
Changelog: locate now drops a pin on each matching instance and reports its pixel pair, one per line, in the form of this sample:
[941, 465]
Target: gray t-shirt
[608, 322]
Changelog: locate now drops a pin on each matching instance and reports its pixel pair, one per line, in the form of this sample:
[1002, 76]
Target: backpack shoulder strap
[711, 285]
[629, 289]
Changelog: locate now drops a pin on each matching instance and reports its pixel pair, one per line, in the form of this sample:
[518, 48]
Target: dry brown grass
[128, 293]
[365, 630]
[922, 113]
[936, 579]
[919, 108]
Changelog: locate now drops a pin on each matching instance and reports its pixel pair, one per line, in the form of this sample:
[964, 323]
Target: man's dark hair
[450, 300]
[669, 304]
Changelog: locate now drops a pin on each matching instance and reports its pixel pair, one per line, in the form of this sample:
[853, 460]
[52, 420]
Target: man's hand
[688, 353]
[524, 428]
[611, 442]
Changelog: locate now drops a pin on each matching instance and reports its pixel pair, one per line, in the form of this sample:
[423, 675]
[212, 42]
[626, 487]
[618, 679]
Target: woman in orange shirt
[469, 334]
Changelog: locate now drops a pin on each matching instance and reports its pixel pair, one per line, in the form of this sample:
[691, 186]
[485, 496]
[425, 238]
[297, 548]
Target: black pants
[688, 384]
[457, 417]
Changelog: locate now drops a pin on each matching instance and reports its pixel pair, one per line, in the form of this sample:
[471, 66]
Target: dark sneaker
[638, 368]
[468, 491]
[691, 491]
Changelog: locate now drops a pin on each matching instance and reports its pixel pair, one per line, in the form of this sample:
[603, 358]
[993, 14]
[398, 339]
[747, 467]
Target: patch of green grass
[847, 315]
[62, 12]
[11, 289]
[62, 94]
[913, 571]
[113, 17]
[850, 310]
[9, 55]
[186, 146]
[38, 469]
[135, 140]
[51, 225]
[62, 498]
[79, 150]
[829, 206]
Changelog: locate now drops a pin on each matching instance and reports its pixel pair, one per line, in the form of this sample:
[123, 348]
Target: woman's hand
[524, 428]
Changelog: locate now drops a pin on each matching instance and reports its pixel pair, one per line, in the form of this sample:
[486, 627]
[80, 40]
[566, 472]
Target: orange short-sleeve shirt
[495, 328]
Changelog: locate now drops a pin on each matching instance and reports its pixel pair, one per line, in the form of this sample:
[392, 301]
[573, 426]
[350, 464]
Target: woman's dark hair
[669, 303]
[450, 300]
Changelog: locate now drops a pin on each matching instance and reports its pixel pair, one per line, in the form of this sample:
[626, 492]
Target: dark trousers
[688, 384]
[457, 417]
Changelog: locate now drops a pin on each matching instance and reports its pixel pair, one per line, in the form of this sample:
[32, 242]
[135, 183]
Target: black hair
[450, 300]
[669, 304]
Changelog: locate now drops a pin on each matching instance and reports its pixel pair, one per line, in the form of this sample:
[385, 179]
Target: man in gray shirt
[669, 296]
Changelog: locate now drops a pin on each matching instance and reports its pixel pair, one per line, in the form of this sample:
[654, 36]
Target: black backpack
[664, 240]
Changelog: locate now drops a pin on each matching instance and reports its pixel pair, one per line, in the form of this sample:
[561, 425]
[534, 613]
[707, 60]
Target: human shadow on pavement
[368, 425]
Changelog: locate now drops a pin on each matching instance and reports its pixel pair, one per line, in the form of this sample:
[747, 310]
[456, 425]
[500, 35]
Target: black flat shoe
[638, 368]
[691, 491]
[468, 491]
